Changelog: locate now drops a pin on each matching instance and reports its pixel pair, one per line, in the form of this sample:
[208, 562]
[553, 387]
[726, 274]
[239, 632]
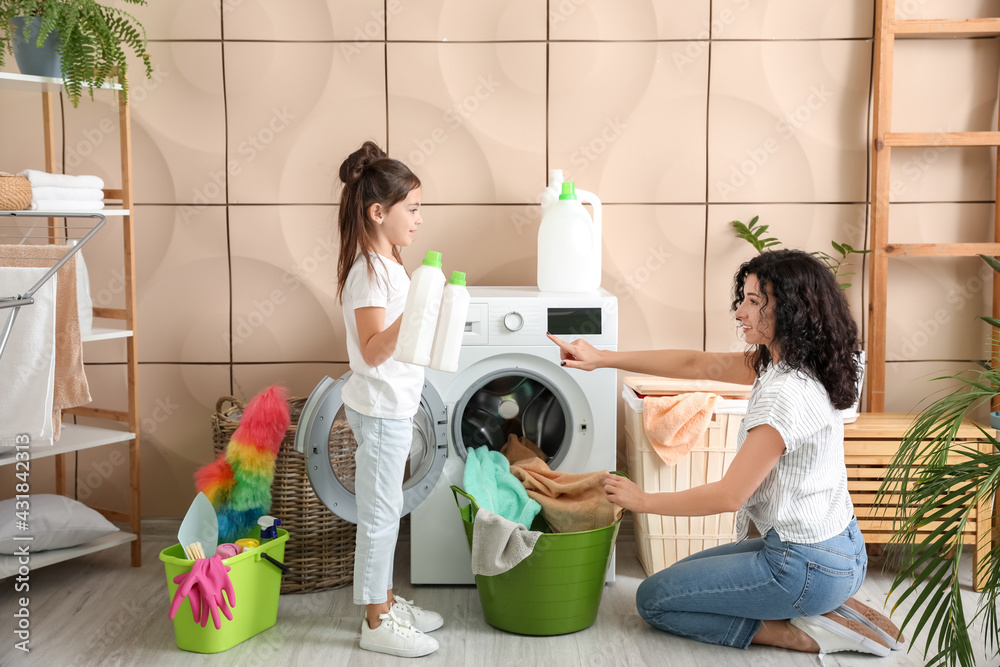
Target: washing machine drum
[325, 437]
[513, 402]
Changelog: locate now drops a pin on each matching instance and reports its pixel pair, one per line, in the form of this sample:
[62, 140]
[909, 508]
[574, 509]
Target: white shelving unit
[122, 426]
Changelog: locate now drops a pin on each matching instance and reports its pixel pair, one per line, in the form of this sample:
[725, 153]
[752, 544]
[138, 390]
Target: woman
[792, 587]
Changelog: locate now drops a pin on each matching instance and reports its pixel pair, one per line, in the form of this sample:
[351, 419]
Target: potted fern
[753, 233]
[939, 497]
[88, 38]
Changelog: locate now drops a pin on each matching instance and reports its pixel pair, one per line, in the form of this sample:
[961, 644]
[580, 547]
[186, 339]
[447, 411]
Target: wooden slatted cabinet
[870, 444]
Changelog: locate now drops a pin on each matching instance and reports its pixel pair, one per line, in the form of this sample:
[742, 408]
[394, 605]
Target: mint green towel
[488, 479]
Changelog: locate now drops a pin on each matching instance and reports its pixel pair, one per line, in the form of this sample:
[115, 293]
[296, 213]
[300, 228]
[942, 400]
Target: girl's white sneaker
[422, 619]
[396, 637]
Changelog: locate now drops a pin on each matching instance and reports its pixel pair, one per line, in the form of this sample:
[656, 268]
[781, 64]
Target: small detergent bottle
[451, 324]
[423, 300]
[569, 242]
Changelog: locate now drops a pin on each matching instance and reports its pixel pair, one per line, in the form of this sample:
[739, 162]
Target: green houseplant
[939, 496]
[91, 39]
[753, 234]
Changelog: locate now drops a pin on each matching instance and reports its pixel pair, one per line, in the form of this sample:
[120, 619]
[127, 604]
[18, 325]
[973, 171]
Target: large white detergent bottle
[569, 240]
[451, 324]
[420, 314]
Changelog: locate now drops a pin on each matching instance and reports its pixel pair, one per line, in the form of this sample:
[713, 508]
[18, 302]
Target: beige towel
[71, 387]
[518, 447]
[674, 424]
[570, 501]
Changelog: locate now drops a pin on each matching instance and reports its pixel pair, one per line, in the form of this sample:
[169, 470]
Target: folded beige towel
[518, 447]
[674, 424]
[570, 501]
[71, 388]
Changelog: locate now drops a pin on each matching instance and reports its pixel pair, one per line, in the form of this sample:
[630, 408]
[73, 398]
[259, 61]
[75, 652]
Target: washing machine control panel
[522, 316]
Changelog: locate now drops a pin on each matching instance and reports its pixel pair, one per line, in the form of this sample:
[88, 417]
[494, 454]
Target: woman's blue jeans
[721, 595]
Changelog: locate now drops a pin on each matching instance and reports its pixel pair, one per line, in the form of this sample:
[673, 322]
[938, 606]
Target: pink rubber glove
[214, 583]
[189, 586]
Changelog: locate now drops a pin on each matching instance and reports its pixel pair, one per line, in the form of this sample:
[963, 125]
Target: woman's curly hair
[814, 330]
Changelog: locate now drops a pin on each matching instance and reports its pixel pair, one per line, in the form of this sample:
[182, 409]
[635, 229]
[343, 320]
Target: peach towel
[674, 424]
[518, 447]
[71, 388]
[570, 501]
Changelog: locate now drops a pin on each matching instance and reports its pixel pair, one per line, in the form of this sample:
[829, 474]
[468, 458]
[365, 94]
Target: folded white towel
[27, 364]
[43, 179]
[498, 544]
[66, 205]
[76, 194]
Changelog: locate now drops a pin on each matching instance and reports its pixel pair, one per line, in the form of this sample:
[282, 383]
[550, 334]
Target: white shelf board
[105, 333]
[74, 437]
[9, 564]
[47, 84]
[106, 212]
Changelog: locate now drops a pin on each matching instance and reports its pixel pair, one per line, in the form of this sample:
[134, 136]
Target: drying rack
[67, 232]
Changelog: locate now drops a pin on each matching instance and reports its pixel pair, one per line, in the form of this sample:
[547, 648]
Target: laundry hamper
[320, 549]
[555, 590]
[661, 541]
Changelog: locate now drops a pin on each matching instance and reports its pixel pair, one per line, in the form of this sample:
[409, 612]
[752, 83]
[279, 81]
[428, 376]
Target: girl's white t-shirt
[804, 497]
[392, 389]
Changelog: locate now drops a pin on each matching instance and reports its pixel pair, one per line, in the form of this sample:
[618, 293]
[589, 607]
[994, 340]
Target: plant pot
[852, 413]
[31, 59]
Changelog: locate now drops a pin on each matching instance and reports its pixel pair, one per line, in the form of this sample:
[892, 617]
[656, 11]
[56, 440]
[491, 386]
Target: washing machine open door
[326, 439]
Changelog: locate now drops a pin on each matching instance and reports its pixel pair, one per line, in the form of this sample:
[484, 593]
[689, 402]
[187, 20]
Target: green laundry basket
[256, 584]
[555, 590]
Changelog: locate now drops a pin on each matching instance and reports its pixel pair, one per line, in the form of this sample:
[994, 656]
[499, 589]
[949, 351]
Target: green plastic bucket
[555, 590]
[256, 584]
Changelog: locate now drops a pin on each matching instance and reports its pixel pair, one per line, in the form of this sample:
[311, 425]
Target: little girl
[379, 213]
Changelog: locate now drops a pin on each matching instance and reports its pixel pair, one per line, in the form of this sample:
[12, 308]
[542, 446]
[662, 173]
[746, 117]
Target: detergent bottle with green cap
[569, 240]
[420, 314]
[451, 324]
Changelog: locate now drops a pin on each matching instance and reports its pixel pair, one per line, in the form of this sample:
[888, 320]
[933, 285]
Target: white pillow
[55, 522]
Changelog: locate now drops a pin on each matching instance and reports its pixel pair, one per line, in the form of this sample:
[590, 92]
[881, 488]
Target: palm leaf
[939, 498]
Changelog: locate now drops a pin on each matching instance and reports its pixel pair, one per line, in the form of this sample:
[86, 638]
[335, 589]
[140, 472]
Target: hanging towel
[71, 388]
[27, 364]
[498, 544]
[65, 205]
[79, 194]
[43, 179]
[518, 447]
[487, 479]
[570, 501]
[674, 424]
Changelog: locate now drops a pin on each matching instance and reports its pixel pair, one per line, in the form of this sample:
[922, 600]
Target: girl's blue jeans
[380, 460]
[721, 595]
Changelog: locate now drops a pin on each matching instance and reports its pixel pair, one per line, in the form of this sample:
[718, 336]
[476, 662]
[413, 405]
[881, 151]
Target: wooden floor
[97, 610]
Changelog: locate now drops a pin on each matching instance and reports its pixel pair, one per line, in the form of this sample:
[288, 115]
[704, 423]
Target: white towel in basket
[27, 364]
[498, 544]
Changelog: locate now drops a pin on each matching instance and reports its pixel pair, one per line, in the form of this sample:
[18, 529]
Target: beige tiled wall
[681, 114]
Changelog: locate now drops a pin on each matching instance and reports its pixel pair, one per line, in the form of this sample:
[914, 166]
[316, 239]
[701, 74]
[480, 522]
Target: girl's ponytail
[369, 177]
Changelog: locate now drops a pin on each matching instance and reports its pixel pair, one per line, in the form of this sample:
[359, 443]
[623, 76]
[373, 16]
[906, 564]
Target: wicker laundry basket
[320, 549]
[15, 192]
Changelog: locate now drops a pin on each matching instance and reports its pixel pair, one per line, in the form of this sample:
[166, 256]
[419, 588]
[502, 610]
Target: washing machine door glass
[325, 437]
[516, 402]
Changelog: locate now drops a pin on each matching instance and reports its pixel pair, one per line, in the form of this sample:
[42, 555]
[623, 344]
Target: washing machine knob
[513, 321]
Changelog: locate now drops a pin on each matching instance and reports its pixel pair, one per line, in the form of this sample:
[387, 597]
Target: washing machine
[509, 381]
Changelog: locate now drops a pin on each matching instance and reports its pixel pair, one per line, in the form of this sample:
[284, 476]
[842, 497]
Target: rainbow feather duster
[239, 482]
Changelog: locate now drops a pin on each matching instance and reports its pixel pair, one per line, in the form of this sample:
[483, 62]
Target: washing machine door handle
[312, 438]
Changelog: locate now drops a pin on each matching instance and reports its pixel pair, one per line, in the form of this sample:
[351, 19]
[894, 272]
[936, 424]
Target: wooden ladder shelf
[887, 30]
